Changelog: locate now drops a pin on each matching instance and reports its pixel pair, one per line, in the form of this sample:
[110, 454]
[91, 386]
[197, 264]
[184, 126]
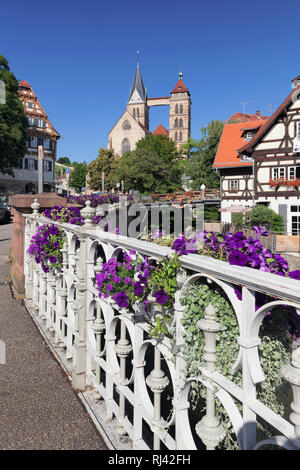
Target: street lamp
[246, 159]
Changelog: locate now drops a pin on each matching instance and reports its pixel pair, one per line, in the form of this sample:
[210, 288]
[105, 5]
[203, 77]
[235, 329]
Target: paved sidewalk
[38, 407]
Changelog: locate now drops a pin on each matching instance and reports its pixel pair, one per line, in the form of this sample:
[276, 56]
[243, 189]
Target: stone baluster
[35, 206]
[291, 373]
[43, 290]
[99, 329]
[157, 381]
[209, 429]
[79, 356]
[52, 302]
[28, 261]
[64, 292]
[123, 349]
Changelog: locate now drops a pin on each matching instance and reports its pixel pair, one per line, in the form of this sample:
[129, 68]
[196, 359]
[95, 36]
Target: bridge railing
[141, 380]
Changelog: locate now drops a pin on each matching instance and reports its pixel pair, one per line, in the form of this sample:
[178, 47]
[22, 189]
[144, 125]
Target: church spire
[138, 92]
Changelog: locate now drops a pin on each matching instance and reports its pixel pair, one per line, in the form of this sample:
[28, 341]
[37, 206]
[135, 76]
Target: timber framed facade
[267, 165]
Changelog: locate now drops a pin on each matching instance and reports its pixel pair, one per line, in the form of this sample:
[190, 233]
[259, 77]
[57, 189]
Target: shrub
[264, 216]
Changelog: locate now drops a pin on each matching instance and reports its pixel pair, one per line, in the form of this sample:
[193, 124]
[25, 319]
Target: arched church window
[176, 123]
[180, 122]
[180, 136]
[125, 146]
[176, 136]
[126, 125]
[138, 112]
[176, 109]
[181, 109]
[134, 112]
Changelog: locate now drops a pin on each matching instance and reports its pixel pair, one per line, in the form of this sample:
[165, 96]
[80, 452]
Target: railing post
[291, 373]
[157, 381]
[209, 429]
[79, 358]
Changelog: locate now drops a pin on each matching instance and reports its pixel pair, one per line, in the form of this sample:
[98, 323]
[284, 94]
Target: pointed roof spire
[138, 92]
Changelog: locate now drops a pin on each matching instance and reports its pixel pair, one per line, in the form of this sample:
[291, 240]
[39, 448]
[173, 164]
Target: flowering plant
[60, 213]
[295, 183]
[46, 246]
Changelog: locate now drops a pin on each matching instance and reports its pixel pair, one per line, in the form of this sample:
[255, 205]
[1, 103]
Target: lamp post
[246, 159]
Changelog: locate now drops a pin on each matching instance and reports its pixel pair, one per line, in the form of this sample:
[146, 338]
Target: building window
[134, 112]
[176, 136]
[30, 164]
[40, 141]
[176, 123]
[29, 104]
[180, 122]
[181, 109]
[125, 146]
[176, 109]
[180, 136]
[138, 112]
[278, 173]
[249, 135]
[298, 129]
[47, 165]
[233, 185]
[293, 172]
[126, 125]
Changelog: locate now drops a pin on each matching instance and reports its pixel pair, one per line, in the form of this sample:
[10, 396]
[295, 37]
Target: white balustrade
[110, 349]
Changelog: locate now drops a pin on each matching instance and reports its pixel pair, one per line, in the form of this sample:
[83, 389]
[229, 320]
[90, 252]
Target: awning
[236, 209]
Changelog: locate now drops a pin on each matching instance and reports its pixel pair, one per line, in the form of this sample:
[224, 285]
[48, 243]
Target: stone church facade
[133, 125]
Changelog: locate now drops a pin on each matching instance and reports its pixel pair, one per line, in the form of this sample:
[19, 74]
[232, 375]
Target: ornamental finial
[180, 73]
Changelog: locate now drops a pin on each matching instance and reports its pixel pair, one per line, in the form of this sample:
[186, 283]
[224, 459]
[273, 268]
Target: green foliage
[211, 213]
[78, 176]
[105, 162]
[201, 156]
[13, 123]
[238, 219]
[266, 217]
[275, 350]
[155, 166]
[64, 161]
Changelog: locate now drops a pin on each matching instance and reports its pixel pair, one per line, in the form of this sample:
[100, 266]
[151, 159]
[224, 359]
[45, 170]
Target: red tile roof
[243, 117]
[179, 87]
[24, 84]
[231, 140]
[161, 130]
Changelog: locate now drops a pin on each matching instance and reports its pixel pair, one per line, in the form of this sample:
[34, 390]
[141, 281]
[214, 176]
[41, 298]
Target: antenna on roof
[270, 109]
[244, 103]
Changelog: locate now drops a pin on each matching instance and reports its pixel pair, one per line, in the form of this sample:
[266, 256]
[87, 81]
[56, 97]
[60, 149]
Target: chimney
[257, 113]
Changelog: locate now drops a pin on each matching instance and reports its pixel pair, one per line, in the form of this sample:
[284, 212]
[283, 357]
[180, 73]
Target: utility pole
[40, 169]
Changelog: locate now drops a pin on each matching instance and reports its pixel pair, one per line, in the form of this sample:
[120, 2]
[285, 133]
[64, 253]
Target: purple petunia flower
[238, 258]
[121, 298]
[295, 274]
[161, 296]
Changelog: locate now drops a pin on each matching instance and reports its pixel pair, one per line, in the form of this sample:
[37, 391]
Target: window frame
[237, 185]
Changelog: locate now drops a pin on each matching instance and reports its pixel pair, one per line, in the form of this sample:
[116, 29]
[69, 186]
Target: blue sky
[80, 59]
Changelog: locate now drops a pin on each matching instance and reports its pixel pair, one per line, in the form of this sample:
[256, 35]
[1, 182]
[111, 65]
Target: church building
[133, 125]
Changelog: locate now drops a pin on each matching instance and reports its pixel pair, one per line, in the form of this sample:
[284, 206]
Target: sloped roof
[138, 91]
[24, 84]
[244, 117]
[161, 130]
[268, 124]
[231, 140]
[180, 87]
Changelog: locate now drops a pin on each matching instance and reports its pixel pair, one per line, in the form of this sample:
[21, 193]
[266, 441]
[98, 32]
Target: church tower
[180, 113]
[137, 102]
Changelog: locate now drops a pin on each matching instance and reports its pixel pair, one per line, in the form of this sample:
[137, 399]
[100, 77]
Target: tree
[201, 156]
[13, 122]
[78, 176]
[154, 166]
[105, 162]
[265, 217]
[64, 161]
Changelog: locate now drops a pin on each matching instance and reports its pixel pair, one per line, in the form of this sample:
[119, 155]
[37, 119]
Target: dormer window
[249, 135]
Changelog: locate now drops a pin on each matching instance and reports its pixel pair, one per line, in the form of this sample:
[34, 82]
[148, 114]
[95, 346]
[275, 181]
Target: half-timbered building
[259, 162]
[40, 132]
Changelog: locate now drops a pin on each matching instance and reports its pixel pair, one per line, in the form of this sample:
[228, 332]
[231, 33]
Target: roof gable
[161, 130]
[180, 87]
[247, 148]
